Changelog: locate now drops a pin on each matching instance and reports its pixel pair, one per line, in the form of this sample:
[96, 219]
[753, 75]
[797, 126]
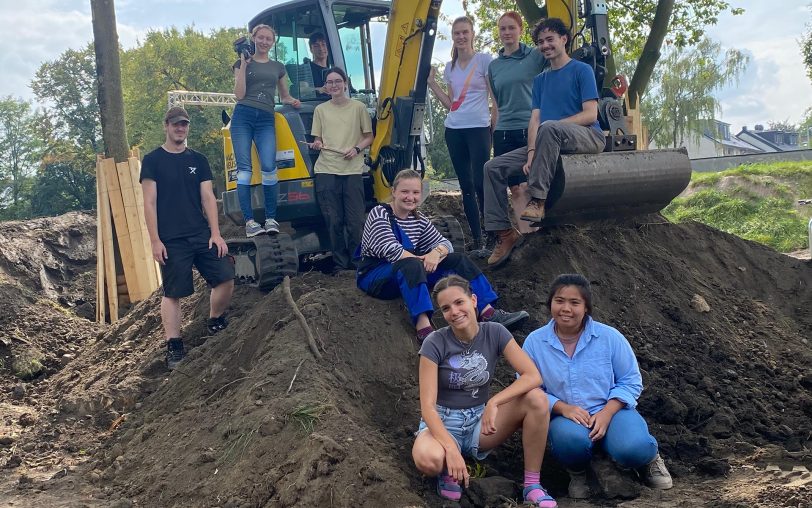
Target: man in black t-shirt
[181, 215]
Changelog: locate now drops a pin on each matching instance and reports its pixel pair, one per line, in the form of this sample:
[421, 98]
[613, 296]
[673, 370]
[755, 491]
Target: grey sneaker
[252, 228]
[271, 226]
[657, 475]
[579, 487]
[507, 319]
[174, 353]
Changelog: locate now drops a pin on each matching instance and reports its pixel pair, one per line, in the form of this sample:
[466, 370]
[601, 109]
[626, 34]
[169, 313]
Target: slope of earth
[252, 418]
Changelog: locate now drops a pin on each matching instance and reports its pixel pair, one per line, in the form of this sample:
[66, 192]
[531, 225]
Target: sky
[774, 87]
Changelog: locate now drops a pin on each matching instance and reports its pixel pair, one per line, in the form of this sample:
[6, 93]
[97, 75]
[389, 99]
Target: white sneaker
[252, 228]
[657, 475]
[271, 226]
[579, 487]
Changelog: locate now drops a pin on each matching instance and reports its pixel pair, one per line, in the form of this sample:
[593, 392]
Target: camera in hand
[244, 46]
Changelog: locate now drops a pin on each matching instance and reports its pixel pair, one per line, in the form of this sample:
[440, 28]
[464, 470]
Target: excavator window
[361, 30]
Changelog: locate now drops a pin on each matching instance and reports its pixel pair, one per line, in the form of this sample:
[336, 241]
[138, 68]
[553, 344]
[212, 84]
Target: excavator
[620, 181]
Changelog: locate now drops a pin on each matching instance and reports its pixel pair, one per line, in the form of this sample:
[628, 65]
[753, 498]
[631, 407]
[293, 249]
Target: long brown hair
[454, 55]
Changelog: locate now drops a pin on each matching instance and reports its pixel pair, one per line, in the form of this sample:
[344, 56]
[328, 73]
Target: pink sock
[531, 477]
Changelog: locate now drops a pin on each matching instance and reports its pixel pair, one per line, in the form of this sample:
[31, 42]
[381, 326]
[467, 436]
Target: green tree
[178, 60]
[805, 43]
[19, 154]
[682, 97]
[68, 84]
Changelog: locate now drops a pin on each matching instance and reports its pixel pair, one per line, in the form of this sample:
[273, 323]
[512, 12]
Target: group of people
[577, 379]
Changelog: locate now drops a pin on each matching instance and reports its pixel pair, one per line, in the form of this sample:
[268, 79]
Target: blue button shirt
[603, 367]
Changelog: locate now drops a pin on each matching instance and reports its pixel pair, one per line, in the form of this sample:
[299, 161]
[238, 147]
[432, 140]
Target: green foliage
[307, 415]
[758, 205]
[27, 365]
[438, 158]
[178, 60]
[682, 97]
[19, 153]
[805, 43]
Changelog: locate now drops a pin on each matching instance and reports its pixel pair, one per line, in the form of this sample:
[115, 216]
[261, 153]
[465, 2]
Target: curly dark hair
[554, 25]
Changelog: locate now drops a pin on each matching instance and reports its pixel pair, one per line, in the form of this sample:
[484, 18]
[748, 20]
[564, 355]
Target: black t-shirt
[178, 177]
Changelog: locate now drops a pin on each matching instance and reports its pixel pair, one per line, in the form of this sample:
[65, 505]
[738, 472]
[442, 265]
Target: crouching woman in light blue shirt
[592, 381]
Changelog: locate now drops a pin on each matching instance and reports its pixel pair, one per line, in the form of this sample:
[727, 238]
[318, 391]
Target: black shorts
[183, 253]
[505, 141]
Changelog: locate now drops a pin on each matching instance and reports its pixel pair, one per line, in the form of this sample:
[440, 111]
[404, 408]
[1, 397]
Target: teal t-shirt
[511, 80]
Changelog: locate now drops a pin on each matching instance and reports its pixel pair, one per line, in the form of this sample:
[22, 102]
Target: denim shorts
[464, 425]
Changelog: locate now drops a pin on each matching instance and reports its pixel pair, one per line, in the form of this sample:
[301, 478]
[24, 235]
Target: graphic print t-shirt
[465, 371]
[469, 105]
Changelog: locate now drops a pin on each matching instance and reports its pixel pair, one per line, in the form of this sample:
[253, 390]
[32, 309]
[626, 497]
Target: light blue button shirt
[603, 367]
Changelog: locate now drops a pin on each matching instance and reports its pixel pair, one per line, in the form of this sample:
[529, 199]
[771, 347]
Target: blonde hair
[260, 27]
[454, 55]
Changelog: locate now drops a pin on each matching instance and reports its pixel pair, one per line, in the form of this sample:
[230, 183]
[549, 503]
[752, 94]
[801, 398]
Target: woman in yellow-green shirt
[342, 129]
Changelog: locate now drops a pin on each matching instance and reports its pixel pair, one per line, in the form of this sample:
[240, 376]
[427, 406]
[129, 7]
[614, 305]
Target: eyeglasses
[182, 123]
[333, 82]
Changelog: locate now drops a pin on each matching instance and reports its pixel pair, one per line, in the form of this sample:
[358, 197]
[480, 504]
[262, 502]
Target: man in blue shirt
[564, 119]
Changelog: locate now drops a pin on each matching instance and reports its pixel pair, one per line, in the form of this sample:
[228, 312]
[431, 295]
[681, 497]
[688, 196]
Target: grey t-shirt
[260, 83]
[465, 371]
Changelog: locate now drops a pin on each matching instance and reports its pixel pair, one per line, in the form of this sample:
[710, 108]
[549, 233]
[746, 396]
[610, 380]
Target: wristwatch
[357, 149]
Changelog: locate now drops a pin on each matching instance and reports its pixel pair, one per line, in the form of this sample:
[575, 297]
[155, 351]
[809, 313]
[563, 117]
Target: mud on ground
[253, 419]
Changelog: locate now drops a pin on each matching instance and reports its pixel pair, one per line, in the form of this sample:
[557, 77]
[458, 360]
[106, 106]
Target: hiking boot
[174, 353]
[252, 228]
[216, 324]
[504, 318]
[506, 241]
[657, 475]
[271, 226]
[534, 211]
[478, 249]
[578, 488]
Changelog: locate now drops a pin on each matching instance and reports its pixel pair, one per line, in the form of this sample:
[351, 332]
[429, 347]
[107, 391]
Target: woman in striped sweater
[403, 254]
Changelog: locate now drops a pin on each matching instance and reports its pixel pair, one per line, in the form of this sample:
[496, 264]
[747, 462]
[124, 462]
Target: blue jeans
[254, 125]
[464, 425]
[627, 441]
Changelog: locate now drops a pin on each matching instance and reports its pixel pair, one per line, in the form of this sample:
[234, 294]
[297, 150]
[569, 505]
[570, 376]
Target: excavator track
[263, 261]
[450, 227]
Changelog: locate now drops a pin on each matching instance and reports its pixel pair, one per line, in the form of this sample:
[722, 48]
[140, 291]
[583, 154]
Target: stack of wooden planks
[126, 272]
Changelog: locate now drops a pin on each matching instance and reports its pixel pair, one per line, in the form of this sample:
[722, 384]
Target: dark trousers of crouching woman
[408, 279]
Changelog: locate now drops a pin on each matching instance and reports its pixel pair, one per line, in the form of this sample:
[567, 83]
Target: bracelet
[357, 149]
[531, 150]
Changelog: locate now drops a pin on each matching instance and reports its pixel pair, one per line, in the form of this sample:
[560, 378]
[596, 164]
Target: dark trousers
[408, 279]
[341, 200]
[505, 141]
[469, 150]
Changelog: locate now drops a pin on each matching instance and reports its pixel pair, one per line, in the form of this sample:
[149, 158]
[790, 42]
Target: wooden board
[101, 300]
[107, 239]
[151, 267]
[135, 231]
[122, 231]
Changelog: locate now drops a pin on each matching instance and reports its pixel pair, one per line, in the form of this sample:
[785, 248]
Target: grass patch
[27, 366]
[307, 415]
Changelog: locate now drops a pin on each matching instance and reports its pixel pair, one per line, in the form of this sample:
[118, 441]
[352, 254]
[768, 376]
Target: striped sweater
[379, 240]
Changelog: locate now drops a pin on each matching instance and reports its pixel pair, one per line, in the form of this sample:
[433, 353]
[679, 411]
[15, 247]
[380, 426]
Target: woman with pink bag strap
[468, 124]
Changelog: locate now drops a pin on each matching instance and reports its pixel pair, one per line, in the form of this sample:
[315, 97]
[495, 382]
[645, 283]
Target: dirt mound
[253, 419]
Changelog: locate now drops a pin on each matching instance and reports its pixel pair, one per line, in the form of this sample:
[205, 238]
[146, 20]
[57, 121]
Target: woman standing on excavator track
[256, 81]
[468, 124]
[457, 364]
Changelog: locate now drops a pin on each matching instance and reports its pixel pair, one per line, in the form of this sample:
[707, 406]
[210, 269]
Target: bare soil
[252, 418]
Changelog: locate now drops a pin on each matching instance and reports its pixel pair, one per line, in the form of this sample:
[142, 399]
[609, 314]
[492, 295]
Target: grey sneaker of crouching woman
[657, 475]
[271, 226]
[252, 228]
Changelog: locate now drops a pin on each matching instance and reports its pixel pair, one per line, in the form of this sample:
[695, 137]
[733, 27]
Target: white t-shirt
[469, 104]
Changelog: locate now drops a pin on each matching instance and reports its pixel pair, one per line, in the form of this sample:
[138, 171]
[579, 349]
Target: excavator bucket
[615, 184]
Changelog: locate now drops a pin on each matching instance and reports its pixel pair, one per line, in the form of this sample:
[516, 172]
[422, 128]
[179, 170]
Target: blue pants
[627, 441]
[252, 124]
[408, 279]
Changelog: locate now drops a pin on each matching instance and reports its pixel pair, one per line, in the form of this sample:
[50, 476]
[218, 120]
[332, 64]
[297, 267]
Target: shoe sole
[252, 235]
[272, 232]
[504, 259]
